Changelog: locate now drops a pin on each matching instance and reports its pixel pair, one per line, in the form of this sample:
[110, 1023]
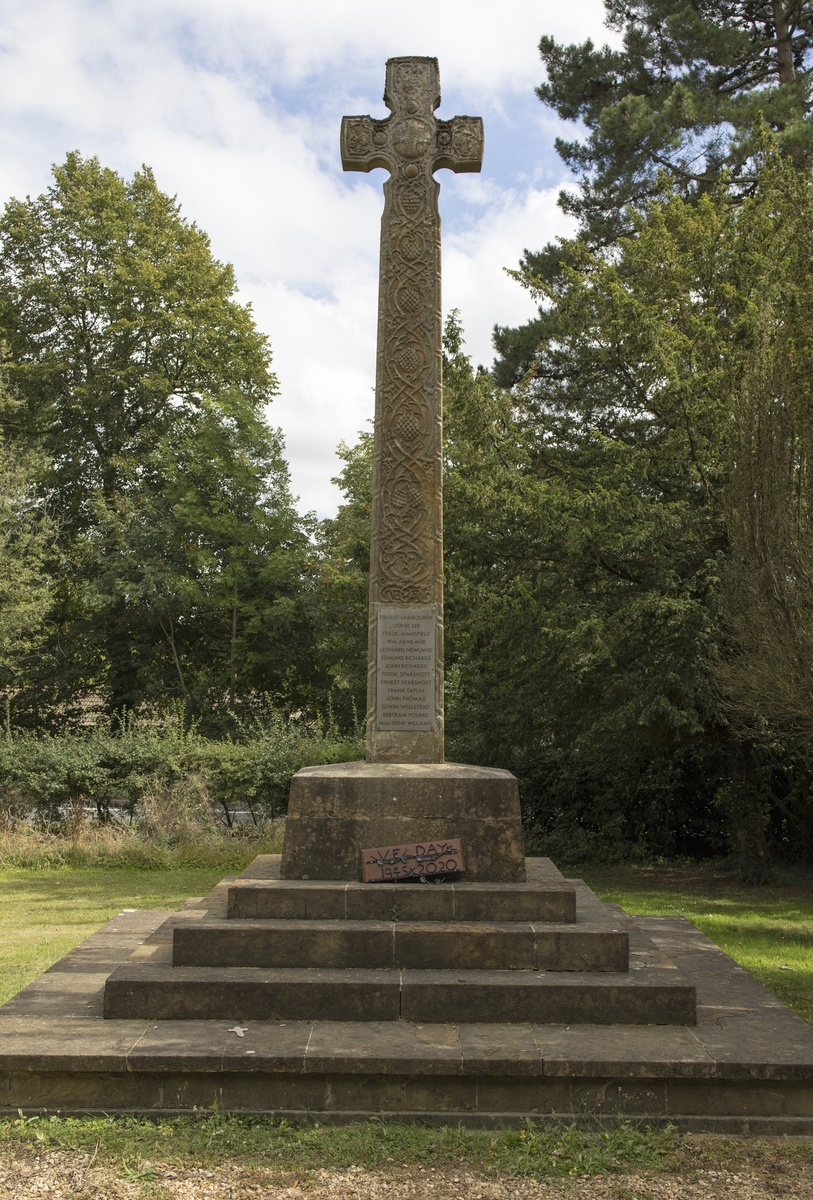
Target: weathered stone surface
[746, 1067]
[237, 993]
[643, 1051]
[571, 998]
[270, 899]
[397, 1049]
[421, 995]
[260, 893]
[285, 944]
[516, 902]
[438, 945]
[388, 902]
[405, 681]
[508, 1050]
[580, 949]
[336, 810]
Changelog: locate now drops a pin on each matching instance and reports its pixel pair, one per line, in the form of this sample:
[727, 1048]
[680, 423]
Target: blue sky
[236, 105]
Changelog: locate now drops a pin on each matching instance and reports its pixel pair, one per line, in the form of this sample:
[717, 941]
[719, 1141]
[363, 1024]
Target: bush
[167, 780]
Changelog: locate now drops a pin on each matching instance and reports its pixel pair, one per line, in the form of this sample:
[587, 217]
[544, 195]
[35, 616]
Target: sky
[237, 104]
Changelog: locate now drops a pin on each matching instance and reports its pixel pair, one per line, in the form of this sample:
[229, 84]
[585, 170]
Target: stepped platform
[683, 1035]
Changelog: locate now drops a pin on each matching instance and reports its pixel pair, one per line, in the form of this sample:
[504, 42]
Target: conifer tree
[682, 100]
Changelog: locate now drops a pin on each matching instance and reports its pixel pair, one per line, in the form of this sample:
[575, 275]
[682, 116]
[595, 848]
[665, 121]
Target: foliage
[116, 316]
[26, 537]
[181, 568]
[681, 96]
[163, 777]
[206, 571]
[344, 581]
[767, 673]
[585, 535]
[614, 601]
[680, 102]
[255, 1154]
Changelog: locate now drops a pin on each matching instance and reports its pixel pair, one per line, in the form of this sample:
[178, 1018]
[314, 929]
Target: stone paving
[746, 1066]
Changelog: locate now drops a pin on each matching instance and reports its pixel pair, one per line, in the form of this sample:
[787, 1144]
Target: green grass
[44, 914]
[375, 1145]
[767, 929]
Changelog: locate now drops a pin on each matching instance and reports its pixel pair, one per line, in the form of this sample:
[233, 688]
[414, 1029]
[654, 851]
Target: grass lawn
[45, 913]
[767, 929]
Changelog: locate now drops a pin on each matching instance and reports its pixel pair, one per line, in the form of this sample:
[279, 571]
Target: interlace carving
[411, 144]
[406, 565]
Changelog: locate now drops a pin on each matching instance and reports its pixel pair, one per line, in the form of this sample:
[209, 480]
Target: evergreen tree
[681, 100]
[628, 536]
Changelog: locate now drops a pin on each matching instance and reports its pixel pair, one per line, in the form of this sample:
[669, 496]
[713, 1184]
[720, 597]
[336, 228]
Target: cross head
[412, 140]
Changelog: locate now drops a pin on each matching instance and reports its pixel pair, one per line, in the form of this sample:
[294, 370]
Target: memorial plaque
[420, 862]
[406, 668]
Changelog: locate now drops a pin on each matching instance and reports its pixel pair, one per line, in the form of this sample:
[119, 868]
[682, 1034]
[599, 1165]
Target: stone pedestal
[335, 811]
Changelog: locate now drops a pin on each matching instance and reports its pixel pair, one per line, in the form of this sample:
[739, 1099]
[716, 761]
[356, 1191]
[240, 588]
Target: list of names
[405, 684]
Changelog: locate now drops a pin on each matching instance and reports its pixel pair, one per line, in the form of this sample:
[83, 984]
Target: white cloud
[236, 106]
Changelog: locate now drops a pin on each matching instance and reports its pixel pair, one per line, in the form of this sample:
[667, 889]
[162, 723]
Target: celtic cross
[405, 658]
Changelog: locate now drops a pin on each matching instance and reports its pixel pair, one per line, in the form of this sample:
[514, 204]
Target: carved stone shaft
[405, 660]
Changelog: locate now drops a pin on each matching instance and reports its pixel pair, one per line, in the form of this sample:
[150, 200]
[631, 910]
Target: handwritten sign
[420, 862]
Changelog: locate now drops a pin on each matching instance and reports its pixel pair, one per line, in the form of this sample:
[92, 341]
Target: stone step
[480, 945]
[301, 900]
[162, 992]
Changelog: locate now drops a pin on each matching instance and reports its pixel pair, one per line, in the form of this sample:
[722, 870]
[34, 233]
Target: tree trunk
[747, 816]
[233, 648]
[169, 634]
[784, 42]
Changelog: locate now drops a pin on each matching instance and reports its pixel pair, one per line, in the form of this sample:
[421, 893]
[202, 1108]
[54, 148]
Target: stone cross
[405, 657]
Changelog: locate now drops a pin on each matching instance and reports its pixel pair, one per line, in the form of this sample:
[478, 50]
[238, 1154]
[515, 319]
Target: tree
[682, 101]
[142, 382]
[344, 584]
[206, 568]
[585, 536]
[765, 668]
[629, 533]
[681, 97]
[26, 535]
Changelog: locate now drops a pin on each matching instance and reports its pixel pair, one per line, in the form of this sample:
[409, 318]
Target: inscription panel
[420, 862]
[406, 669]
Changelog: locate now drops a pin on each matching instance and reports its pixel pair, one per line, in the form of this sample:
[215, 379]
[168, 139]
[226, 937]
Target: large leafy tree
[114, 312]
[142, 382]
[681, 100]
[206, 570]
[628, 534]
[26, 540]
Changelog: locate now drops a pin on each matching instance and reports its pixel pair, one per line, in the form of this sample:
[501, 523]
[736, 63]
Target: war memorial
[484, 986]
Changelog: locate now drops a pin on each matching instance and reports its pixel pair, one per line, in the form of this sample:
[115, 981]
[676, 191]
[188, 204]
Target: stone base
[746, 1067]
[335, 811]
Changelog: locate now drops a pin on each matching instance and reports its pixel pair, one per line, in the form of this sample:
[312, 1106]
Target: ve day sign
[420, 862]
